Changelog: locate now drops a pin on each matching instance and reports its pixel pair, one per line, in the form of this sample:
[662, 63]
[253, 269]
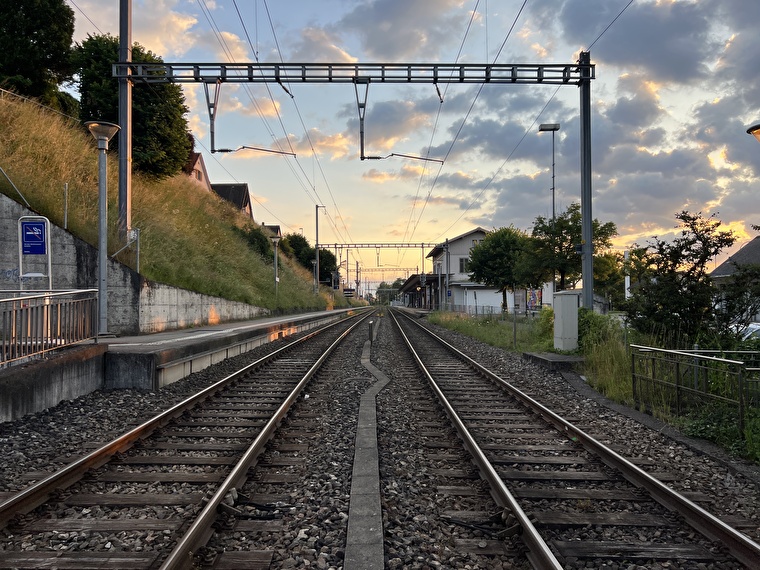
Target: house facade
[749, 254]
[449, 286]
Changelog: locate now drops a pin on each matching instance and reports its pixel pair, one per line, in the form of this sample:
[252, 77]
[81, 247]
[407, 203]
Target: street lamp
[275, 242]
[316, 249]
[553, 127]
[754, 130]
[103, 132]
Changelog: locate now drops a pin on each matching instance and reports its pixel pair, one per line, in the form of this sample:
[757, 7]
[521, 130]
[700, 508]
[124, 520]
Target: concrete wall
[135, 305]
[34, 387]
[167, 308]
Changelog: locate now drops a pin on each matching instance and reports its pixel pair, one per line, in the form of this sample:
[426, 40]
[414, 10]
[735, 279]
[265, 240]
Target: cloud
[668, 41]
[334, 145]
[319, 45]
[392, 30]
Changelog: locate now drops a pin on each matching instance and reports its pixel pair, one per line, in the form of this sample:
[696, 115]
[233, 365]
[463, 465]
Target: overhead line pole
[125, 120]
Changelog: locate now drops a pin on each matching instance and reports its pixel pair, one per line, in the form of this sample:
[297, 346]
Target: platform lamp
[103, 132]
[754, 130]
[275, 242]
[553, 127]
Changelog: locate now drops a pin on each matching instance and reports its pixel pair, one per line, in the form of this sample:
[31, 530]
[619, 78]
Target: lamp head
[101, 129]
[754, 130]
[548, 127]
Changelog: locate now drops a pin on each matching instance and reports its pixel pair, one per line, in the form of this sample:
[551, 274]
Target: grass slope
[189, 237]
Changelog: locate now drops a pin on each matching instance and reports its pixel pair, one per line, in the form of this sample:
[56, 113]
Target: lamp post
[316, 249]
[103, 132]
[275, 242]
[553, 127]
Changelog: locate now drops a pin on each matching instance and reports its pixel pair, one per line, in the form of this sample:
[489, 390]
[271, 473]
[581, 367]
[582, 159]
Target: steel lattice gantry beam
[580, 74]
[398, 245]
[284, 73]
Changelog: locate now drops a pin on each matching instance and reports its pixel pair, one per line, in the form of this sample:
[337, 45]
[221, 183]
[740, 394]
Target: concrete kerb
[364, 543]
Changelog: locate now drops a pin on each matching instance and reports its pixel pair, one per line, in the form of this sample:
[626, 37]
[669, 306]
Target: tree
[558, 239]
[386, 292]
[302, 251]
[35, 49]
[160, 142]
[609, 277]
[672, 294]
[328, 265]
[304, 254]
[499, 261]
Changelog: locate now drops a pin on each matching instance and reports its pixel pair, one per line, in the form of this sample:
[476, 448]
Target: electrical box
[566, 304]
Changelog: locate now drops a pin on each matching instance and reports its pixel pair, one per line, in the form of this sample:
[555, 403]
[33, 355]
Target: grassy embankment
[189, 237]
[607, 368]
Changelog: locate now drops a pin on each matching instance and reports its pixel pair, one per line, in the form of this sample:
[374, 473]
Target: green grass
[189, 237]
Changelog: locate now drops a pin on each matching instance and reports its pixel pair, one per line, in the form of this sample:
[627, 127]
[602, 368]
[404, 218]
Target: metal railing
[35, 322]
[683, 381]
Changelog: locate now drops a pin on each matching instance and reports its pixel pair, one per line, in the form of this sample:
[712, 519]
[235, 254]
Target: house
[449, 284]
[275, 231]
[749, 254]
[196, 170]
[237, 194]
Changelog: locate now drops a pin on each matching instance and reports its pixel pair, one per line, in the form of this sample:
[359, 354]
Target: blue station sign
[33, 239]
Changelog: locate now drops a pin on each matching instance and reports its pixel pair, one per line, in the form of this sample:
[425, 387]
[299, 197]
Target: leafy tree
[35, 49]
[609, 277]
[302, 250]
[499, 261]
[259, 242]
[160, 142]
[328, 265]
[672, 294]
[557, 240]
[386, 292]
[304, 254]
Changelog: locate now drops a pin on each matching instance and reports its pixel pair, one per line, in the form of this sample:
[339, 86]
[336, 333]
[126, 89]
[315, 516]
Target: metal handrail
[33, 323]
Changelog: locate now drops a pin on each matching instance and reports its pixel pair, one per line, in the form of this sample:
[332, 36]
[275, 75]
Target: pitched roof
[747, 255]
[274, 230]
[438, 249]
[236, 193]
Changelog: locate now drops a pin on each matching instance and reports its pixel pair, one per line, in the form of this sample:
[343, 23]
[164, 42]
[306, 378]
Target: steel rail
[743, 548]
[199, 531]
[539, 552]
[40, 491]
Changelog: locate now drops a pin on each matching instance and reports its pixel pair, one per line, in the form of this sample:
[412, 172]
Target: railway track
[159, 488]
[578, 502]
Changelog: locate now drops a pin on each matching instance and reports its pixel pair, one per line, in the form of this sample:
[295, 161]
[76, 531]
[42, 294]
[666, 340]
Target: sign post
[34, 239]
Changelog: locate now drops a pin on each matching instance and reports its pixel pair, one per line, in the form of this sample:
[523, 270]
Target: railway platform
[144, 362]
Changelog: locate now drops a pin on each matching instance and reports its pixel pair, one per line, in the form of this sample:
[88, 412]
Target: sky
[677, 84]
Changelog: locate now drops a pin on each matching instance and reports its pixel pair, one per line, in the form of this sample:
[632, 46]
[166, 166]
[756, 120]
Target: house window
[464, 265]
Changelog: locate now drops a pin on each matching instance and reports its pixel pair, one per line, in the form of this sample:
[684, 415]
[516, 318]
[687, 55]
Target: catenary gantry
[362, 74]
